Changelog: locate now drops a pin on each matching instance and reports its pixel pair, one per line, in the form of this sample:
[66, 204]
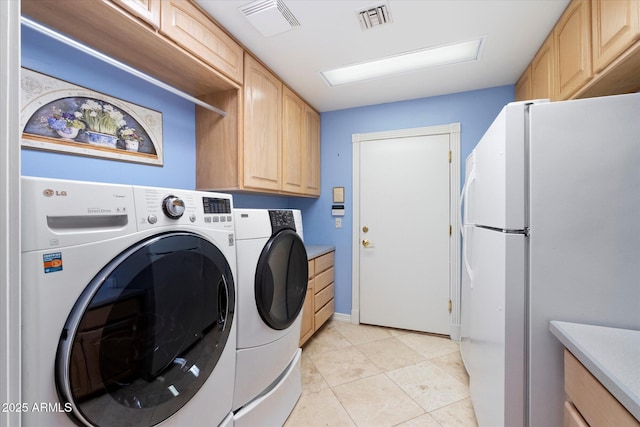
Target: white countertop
[314, 251]
[612, 355]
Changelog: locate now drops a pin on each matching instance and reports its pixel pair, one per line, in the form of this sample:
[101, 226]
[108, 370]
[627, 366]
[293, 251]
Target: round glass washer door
[147, 332]
[281, 279]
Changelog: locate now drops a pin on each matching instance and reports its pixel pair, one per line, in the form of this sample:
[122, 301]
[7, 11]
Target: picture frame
[59, 116]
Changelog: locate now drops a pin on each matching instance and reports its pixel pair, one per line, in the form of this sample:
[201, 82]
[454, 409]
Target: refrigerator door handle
[463, 195]
[465, 258]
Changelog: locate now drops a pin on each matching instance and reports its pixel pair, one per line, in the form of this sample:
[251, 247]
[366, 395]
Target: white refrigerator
[551, 231]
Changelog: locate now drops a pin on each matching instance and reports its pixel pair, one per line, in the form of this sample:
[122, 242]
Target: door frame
[10, 222]
[453, 130]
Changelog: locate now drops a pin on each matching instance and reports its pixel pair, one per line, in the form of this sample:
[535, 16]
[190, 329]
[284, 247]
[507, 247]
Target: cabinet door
[542, 68]
[572, 36]
[262, 124]
[312, 149]
[147, 10]
[616, 26]
[293, 144]
[523, 86]
[194, 31]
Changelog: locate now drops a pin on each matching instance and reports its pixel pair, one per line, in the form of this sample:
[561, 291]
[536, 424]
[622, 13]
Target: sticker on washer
[52, 262]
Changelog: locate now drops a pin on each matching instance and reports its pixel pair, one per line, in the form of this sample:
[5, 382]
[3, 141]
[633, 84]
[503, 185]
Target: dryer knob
[173, 207]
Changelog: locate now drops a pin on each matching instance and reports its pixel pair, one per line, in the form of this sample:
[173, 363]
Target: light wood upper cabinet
[615, 26]
[300, 146]
[572, 39]
[312, 149]
[147, 10]
[113, 30]
[595, 52]
[293, 144]
[262, 127]
[194, 31]
[542, 72]
[275, 146]
[523, 86]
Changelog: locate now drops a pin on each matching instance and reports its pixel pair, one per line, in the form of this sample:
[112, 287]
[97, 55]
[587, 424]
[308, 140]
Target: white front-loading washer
[272, 284]
[128, 307]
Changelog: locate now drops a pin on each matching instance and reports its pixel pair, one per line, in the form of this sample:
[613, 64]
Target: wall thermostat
[337, 210]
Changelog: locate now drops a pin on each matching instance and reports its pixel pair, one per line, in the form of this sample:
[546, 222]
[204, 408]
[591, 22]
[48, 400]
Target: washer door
[147, 332]
[281, 279]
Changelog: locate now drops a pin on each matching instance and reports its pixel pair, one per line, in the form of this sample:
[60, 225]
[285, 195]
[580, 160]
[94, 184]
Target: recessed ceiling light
[411, 61]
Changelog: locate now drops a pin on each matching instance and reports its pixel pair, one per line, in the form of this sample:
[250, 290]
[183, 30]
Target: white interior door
[404, 232]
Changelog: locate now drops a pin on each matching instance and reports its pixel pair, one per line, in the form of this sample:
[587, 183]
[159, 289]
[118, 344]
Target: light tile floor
[369, 376]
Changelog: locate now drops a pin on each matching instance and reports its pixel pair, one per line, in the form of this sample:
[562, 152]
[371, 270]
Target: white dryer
[272, 284]
[128, 305]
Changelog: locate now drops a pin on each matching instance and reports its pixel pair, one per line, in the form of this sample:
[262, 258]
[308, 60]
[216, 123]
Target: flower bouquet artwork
[59, 116]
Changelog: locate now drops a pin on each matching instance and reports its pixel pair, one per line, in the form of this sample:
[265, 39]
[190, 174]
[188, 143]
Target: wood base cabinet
[589, 403]
[319, 302]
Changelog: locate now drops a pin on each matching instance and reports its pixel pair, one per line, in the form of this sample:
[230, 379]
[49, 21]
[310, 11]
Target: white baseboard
[455, 332]
[340, 317]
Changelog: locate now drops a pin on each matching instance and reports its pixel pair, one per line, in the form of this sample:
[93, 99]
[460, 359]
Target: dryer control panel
[281, 220]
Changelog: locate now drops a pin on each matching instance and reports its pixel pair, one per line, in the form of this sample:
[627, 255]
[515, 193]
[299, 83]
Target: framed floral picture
[59, 116]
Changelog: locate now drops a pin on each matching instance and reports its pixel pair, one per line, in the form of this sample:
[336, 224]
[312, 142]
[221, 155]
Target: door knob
[366, 243]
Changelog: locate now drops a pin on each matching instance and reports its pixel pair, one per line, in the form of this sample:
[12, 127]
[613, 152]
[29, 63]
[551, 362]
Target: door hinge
[450, 230]
[450, 306]
[450, 156]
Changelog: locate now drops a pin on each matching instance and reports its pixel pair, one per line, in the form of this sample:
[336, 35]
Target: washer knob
[173, 206]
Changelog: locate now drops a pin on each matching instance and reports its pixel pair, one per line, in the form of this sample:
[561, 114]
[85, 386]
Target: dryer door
[281, 279]
[147, 332]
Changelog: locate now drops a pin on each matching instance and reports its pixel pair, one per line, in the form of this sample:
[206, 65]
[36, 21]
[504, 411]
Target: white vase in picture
[131, 144]
[68, 133]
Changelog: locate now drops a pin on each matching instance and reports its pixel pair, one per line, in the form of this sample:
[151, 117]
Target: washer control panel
[157, 207]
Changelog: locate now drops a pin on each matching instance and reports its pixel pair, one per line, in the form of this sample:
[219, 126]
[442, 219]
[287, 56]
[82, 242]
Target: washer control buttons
[152, 219]
[192, 218]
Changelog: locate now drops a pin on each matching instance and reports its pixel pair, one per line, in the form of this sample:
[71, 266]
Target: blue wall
[473, 110]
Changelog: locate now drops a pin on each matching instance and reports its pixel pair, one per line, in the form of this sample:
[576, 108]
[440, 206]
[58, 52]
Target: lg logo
[50, 193]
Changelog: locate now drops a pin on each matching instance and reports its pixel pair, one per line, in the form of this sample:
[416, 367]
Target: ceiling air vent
[374, 16]
[270, 17]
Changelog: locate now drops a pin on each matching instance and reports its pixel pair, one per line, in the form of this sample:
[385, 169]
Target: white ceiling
[330, 36]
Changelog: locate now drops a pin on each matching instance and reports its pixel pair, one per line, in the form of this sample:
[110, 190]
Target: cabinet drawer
[323, 296]
[311, 270]
[594, 402]
[323, 279]
[572, 417]
[323, 314]
[195, 32]
[324, 262]
[306, 326]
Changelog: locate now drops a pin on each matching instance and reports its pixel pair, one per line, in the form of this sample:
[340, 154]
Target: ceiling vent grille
[270, 17]
[374, 16]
